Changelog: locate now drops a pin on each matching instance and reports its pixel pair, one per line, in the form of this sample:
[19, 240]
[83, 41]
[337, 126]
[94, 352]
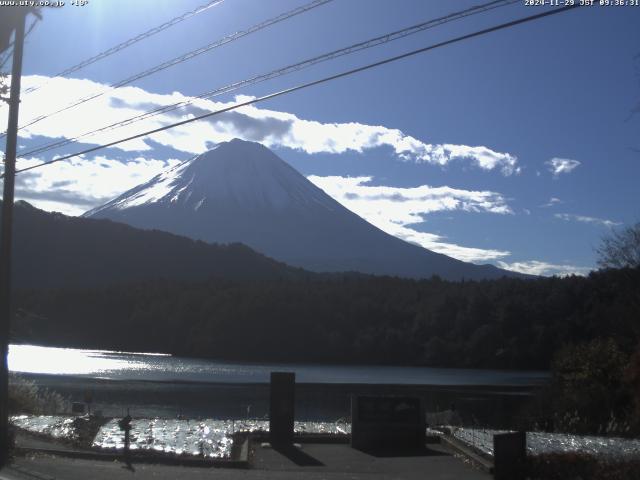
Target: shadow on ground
[391, 452]
[297, 456]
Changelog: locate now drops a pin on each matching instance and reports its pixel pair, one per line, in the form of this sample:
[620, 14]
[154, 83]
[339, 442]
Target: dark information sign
[387, 422]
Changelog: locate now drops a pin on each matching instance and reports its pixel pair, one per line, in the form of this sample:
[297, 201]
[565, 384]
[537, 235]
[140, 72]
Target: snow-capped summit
[242, 192]
[235, 174]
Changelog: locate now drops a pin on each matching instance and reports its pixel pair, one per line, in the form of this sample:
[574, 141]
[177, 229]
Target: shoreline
[52, 377]
[494, 404]
[263, 361]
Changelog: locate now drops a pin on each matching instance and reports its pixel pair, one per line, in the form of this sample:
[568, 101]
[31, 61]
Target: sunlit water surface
[166, 368]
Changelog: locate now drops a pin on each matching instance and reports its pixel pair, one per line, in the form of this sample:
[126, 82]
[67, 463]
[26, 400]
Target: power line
[9, 53]
[311, 84]
[373, 42]
[129, 42]
[7, 56]
[185, 57]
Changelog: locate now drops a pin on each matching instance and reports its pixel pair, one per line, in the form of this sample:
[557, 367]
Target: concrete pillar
[282, 407]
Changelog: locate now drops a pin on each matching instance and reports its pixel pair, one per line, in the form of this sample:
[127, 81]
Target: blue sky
[518, 148]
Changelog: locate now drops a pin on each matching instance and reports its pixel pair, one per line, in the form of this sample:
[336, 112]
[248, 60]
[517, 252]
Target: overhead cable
[369, 66]
[129, 42]
[373, 42]
[183, 58]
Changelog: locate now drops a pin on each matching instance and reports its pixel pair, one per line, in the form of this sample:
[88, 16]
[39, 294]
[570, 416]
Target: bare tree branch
[621, 248]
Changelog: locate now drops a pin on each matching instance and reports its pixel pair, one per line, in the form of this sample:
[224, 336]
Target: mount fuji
[242, 192]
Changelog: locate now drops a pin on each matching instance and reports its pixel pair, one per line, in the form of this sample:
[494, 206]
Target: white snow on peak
[235, 174]
[177, 192]
[157, 188]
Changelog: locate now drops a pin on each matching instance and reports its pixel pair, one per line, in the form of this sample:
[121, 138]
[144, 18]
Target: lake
[100, 364]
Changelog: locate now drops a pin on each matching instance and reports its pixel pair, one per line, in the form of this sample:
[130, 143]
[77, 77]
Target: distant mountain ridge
[51, 250]
[242, 192]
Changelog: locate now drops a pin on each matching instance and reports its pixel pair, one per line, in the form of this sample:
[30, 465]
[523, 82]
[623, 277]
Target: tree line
[505, 323]
[585, 330]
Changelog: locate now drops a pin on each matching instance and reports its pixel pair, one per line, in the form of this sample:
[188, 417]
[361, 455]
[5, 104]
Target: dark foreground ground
[311, 461]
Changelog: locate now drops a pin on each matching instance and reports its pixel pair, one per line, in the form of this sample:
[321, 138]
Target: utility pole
[6, 233]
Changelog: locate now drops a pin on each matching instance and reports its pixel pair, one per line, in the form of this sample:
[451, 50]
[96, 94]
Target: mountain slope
[53, 250]
[242, 192]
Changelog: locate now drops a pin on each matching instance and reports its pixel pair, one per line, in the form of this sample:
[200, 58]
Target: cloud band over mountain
[73, 187]
[270, 127]
[396, 210]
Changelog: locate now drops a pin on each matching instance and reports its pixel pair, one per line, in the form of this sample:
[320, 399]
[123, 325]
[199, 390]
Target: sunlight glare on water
[31, 359]
[70, 361]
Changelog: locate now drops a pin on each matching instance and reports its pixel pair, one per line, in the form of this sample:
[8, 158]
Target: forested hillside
[507, 323]
[52, 250]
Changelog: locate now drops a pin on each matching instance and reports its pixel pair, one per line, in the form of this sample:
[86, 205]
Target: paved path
[312, 462]
[30, 440]
[341, 461]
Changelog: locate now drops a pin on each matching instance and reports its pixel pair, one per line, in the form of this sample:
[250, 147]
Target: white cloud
[80, 184]
[536, 267]
[584, 219]
[439, 244]
[552, 202]
[75, 186]
[270, 127]
[558, 166]
[395, 209]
